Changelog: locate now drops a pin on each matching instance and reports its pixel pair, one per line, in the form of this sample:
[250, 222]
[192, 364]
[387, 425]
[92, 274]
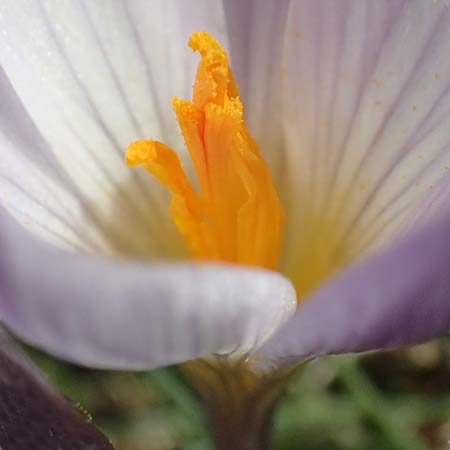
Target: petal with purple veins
[132, 315]
[366, 102]
[398, 297]
[94, 76]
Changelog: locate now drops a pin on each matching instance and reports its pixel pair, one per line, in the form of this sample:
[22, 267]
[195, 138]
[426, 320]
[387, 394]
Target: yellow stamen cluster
[236, 216]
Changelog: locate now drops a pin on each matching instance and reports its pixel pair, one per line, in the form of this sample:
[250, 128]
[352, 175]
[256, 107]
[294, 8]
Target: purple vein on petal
[119, 151]
[408, 147]
[363, 86]
[433, 39]
[151, 82]
[139, 131]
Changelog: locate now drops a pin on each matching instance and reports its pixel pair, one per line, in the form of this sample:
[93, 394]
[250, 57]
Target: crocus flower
[348, 102]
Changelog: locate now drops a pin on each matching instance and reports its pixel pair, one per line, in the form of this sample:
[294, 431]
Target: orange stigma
[236, 216]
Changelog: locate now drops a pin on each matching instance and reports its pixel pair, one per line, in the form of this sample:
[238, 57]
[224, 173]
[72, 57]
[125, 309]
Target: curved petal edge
[120, 314]
[398, 297]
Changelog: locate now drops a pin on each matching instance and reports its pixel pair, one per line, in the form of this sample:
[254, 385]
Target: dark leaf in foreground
[33, 416]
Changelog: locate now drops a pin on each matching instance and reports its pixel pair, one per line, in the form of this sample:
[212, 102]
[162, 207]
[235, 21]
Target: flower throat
[237, 216]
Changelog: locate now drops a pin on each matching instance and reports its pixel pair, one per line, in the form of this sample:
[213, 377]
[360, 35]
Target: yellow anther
[237, 216]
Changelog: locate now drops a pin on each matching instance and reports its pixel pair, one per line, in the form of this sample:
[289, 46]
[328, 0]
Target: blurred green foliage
[386, 401]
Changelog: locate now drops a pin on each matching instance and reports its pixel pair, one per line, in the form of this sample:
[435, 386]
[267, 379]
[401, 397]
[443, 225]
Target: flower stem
[238, 400]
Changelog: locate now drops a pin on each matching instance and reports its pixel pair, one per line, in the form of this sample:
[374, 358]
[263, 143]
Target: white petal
[366, 107]
[256, 34]
[115, 314]
[32, 184]
[95, 76]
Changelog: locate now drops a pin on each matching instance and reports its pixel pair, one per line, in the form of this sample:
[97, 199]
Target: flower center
[236, 216]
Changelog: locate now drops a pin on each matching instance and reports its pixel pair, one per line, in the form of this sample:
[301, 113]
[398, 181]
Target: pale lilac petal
[256, 31]
[33, 185]
[366, 107]
[117, 314]
[33, 415]
[95, 76]
[396, 298]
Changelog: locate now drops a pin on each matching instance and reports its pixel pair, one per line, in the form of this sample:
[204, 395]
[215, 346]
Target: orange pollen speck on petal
[236, 216]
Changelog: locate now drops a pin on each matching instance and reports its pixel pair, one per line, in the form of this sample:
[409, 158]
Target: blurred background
[383, 401]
